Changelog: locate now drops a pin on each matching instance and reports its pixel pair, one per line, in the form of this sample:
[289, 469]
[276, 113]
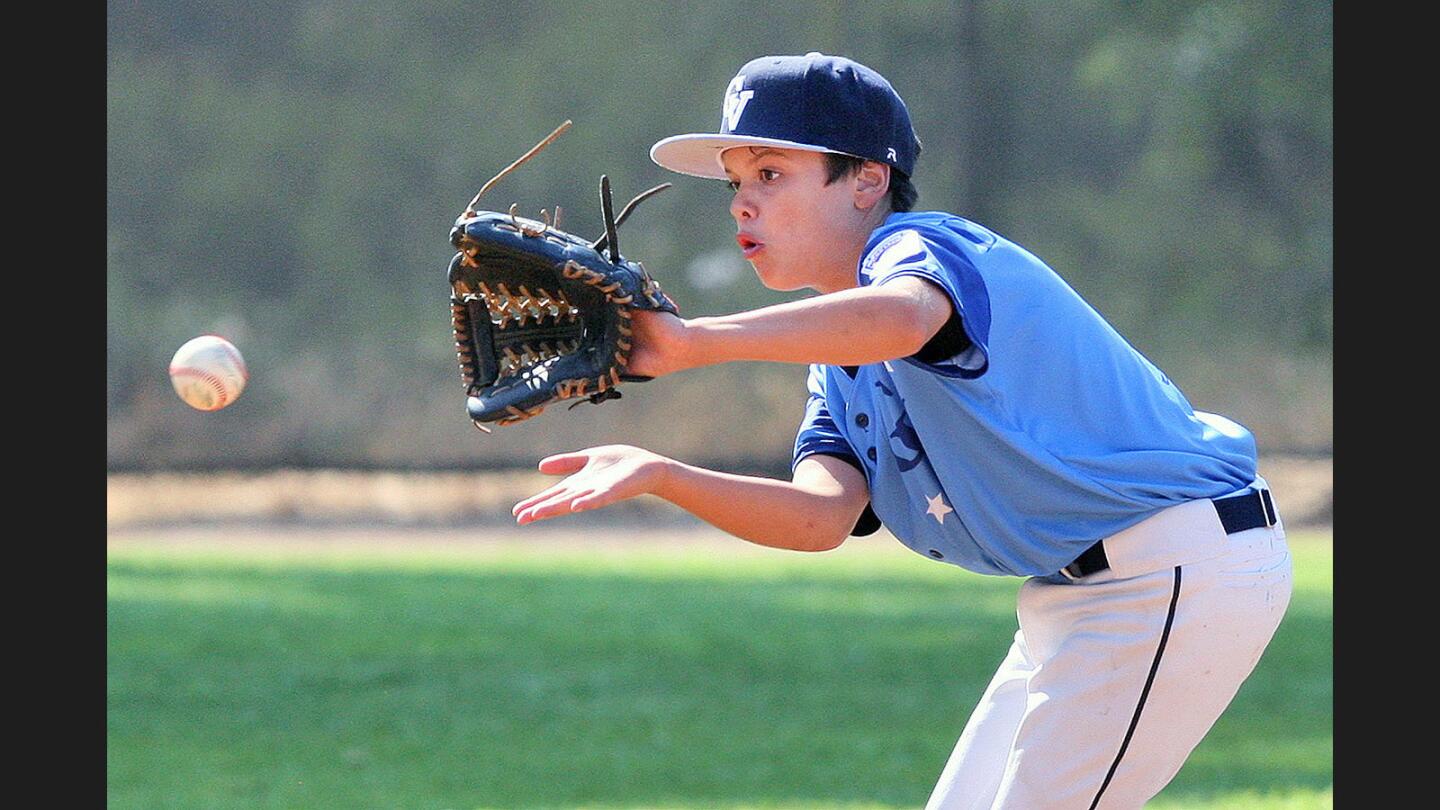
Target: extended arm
[814, 511]
[850, 327]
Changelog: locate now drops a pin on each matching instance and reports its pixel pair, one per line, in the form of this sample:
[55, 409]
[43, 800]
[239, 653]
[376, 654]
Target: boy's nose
[741, 207]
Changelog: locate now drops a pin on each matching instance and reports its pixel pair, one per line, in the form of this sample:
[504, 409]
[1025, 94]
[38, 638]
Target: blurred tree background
[285, 174]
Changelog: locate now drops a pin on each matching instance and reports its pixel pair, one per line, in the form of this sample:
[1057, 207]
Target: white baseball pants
[1114, 678]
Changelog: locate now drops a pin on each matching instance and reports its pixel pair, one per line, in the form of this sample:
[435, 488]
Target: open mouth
[749, 245]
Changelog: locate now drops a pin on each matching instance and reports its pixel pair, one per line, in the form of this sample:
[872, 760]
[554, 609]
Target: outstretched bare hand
[597, 476]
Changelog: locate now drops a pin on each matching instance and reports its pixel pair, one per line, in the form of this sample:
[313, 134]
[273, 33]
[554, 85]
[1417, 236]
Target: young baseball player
[965, 396]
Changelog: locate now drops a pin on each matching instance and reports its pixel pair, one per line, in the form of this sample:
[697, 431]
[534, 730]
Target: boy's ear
[872, 183]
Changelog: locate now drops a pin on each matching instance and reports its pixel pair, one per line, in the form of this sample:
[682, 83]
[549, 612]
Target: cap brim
[698, 154]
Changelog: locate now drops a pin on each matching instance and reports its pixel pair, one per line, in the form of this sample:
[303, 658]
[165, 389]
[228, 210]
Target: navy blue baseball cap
[813, 102]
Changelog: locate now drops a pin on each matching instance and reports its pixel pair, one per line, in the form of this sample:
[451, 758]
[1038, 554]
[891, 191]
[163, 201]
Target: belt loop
[1267, 508]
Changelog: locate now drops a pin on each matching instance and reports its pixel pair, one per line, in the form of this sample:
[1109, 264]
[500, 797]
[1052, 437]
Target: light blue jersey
[1045, 434]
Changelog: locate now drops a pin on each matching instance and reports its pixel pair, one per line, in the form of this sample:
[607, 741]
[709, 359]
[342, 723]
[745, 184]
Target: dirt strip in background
[1303, 488]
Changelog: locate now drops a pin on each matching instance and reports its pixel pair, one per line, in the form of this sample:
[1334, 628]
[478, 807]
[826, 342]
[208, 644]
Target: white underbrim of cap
[699, 154]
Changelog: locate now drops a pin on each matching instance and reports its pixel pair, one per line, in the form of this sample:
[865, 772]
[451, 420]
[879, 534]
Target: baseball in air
[208, 373]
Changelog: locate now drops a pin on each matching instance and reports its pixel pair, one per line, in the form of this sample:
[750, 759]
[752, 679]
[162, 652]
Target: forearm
[850, 327]
[766, 511]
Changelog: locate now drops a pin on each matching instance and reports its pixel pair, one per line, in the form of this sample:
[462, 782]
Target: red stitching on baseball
[217, 383]
[234, 354]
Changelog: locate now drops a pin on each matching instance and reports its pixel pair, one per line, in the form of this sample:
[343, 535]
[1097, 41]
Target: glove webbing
[506, 306]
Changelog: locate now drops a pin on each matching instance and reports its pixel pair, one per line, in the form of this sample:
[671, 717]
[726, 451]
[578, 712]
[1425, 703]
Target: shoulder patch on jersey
[901, 247]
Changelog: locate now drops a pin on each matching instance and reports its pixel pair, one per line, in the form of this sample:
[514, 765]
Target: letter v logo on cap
[735, 101]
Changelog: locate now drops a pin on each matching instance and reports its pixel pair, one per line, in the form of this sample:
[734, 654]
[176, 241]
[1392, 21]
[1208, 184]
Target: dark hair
[903, 193]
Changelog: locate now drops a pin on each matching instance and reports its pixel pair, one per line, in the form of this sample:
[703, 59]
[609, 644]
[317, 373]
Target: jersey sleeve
[909, 253]
[818, 433]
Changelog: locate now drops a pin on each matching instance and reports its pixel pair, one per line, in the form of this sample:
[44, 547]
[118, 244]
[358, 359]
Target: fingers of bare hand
[560, 504]
[563, 463]
[538, 497]
[596, 499]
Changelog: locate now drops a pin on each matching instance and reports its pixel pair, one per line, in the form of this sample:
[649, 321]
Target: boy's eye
[766, 176]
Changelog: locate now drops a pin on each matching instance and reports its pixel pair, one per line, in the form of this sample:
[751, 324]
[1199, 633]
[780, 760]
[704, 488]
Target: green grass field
[697, 675]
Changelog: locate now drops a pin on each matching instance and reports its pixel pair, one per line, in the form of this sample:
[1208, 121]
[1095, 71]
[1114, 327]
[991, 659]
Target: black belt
[1237, 514]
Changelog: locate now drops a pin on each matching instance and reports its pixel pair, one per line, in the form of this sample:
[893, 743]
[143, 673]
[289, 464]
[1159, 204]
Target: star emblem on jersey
[938, 509]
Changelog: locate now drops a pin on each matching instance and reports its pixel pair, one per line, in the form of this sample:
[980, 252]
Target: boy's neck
[843, 273]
